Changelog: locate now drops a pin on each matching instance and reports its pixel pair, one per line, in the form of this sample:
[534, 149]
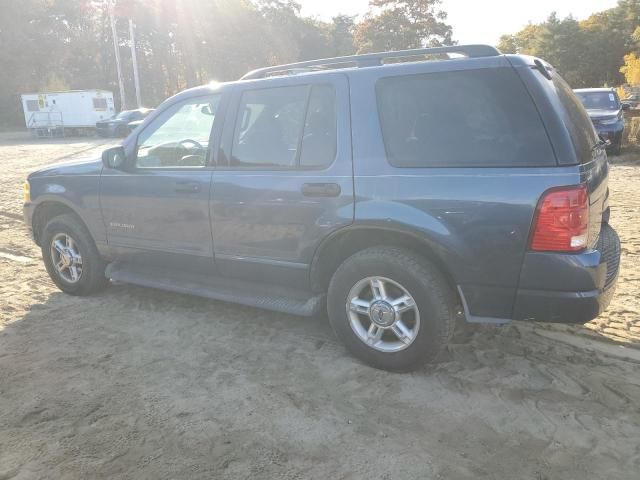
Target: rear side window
[576, 118]
[319, 140]
[470, 118]
[286, 128]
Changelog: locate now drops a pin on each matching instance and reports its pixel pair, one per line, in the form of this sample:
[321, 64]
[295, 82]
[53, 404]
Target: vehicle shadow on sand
[133, 380]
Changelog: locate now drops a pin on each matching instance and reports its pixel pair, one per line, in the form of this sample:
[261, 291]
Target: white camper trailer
[48, 114]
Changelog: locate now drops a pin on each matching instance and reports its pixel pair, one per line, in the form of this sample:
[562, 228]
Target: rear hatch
[562, 108]
[590, 153]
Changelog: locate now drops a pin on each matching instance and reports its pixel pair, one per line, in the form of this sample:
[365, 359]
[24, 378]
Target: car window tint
[470, 118]
[576, 118]
[269, 127]
[319, 142]
[179, 136]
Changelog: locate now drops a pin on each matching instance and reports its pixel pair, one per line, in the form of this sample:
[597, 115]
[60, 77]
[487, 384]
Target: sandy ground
[140, 384]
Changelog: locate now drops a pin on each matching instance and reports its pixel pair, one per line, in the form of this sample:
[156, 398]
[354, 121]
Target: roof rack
[371, 59]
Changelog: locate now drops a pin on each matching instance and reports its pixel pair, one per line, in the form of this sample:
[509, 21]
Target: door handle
[187, 187]
[320, 189]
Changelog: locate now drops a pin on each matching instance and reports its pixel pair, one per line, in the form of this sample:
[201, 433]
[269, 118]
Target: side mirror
[114, 158]
[626, 106]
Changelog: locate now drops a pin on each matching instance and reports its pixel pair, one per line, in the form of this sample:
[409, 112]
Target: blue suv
[396, 192]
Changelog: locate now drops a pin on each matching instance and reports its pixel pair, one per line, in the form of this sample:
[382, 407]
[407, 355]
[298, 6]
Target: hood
[87, 166]
[597, 114]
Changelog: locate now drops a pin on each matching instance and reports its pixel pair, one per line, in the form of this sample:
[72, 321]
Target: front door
[157, 209]
[283, 179]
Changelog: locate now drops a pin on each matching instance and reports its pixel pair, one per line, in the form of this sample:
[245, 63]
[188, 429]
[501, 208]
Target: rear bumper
[569, 288]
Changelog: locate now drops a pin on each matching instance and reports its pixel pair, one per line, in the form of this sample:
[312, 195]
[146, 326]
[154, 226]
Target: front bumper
[613, 132]
[27, 211]
[106, 130]
[569, 288]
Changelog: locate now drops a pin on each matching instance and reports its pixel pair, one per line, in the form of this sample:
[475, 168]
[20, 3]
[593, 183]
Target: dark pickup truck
[396, 192]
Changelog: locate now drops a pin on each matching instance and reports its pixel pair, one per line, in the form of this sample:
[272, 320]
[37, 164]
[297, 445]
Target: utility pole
[136, 77]
[114, 33]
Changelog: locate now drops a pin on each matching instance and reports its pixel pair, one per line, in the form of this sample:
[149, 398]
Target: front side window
[286, 128]
[470, 118]
[179, 136]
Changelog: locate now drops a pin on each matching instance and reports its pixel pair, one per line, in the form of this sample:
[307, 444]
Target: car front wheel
[392, 309]
[71, 257]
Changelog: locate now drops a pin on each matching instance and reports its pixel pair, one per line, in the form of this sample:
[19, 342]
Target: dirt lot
[140, 384]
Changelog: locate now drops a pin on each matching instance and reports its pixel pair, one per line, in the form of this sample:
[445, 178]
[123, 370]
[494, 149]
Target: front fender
[80, 194]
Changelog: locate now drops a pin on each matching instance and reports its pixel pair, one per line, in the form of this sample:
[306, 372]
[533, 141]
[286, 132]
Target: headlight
[609, 121]
[26, 191]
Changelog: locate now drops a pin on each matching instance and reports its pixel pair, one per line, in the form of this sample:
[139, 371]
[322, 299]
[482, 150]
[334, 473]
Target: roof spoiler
[371, 59]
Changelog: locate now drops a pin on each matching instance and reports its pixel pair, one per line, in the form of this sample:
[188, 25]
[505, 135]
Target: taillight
[561, 223]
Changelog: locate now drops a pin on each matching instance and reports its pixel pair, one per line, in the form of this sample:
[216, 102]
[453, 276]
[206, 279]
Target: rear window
[576, 119]
[470, 118]
[286, 128]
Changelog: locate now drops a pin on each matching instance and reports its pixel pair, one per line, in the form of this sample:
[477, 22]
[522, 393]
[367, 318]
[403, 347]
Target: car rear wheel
[392, 309]
[71, 258]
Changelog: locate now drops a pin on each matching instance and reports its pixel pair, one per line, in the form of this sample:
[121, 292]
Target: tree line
[52, 45]
[600, 51]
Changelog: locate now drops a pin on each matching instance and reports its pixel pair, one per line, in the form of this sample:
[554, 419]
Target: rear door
[283, 179]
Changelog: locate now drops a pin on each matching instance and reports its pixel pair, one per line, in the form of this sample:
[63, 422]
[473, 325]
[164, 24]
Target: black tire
[434, 298]
[92, 278]
[616, 149]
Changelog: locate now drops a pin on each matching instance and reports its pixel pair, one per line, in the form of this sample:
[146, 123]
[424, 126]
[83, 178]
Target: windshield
[123, 115]
[599, 100]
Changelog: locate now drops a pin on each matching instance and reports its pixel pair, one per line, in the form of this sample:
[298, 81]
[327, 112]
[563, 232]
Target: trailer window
[100, 103]
[32, 106]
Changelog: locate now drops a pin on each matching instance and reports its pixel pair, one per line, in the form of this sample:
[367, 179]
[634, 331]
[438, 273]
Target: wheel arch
[45, 211]
[345, 242]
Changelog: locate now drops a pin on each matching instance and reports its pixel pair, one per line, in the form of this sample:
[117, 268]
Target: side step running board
[276, 298]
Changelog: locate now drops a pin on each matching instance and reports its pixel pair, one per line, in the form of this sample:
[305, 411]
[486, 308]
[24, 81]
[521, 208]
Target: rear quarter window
[470, 118]
[576, 119]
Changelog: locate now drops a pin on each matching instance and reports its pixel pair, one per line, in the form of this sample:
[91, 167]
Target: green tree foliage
[401, 24]
[589, 53]
[67, 44]
[631, 69]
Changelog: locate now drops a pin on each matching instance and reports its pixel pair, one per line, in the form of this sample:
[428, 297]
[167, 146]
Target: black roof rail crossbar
[375, 59]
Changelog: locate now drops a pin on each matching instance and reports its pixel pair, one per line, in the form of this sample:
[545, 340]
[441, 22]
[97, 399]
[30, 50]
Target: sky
[476, 21]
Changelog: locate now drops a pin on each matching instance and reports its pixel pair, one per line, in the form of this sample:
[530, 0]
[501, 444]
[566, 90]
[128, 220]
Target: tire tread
[441, 298]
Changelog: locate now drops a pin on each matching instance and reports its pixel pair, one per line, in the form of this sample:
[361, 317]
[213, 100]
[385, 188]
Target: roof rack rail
[371, 59]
